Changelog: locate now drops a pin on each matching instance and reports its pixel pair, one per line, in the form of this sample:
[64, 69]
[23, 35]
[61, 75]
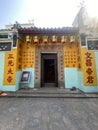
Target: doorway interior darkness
[49, 76]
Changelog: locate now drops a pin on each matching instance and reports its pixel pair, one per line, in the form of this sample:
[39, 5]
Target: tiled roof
[35, 30]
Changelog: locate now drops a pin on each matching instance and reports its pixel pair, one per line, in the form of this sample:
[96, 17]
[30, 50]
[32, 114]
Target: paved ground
[48, 114]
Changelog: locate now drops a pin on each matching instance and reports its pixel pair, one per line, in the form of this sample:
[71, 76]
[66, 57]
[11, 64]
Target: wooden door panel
[49, 69]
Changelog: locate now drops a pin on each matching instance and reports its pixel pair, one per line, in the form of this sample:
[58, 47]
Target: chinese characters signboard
[10, 68]
[88, 67]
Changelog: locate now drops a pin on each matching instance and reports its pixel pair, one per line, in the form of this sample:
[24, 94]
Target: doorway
[49, 76]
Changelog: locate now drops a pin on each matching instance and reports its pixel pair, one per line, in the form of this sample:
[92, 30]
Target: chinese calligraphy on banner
[19, 55]
[88, 67]
[78, 57]
[10, 67]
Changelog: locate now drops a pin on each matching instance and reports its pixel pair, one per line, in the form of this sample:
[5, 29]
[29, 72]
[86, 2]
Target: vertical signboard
[10, 67]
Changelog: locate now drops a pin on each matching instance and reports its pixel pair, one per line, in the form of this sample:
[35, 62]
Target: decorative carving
[49, 48]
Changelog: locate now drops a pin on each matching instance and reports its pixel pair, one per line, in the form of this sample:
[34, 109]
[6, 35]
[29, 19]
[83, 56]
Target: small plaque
[25, 78]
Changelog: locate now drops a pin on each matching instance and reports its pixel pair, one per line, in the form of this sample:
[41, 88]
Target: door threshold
[49, 85]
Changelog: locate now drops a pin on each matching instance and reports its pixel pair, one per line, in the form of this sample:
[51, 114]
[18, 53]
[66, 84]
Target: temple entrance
[49, 76]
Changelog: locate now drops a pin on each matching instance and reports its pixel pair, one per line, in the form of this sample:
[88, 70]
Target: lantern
[63, 39]
[35, 38]
[72, 39]
[54, 39]
[45, 39]
[28, 38]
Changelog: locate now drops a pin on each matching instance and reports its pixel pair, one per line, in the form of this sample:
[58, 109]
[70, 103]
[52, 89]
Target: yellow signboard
[88, 67]
[10, 67]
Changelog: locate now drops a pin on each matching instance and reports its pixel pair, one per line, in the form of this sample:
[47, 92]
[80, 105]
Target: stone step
[50, 95]
[48, 91]
[46, 95]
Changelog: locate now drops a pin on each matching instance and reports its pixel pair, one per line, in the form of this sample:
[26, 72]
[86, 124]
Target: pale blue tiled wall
[18, 76]
[2, 55]
[71, 77]
[86, 88]
[75, 78]
[80, 79]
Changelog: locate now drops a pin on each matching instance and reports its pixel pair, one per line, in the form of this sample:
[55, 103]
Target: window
[5, 46]
[3, 36]
[92, 44]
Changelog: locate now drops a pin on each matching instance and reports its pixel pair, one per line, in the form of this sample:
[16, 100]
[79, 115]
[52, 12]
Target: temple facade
[53, 57]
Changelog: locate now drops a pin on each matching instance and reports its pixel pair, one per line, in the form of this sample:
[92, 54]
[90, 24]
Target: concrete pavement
[48, 114]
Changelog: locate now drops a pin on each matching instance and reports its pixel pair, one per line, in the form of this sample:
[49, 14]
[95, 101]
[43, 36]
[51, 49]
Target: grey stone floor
[48, 114]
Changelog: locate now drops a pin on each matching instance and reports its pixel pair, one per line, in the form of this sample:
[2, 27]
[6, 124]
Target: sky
[44, 13]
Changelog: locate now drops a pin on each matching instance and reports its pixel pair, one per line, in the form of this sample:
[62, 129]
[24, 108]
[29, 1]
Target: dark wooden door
[49, 76]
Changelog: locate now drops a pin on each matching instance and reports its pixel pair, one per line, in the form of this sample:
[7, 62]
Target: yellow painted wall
[72, 55]
[25, 55]
[28, 55]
